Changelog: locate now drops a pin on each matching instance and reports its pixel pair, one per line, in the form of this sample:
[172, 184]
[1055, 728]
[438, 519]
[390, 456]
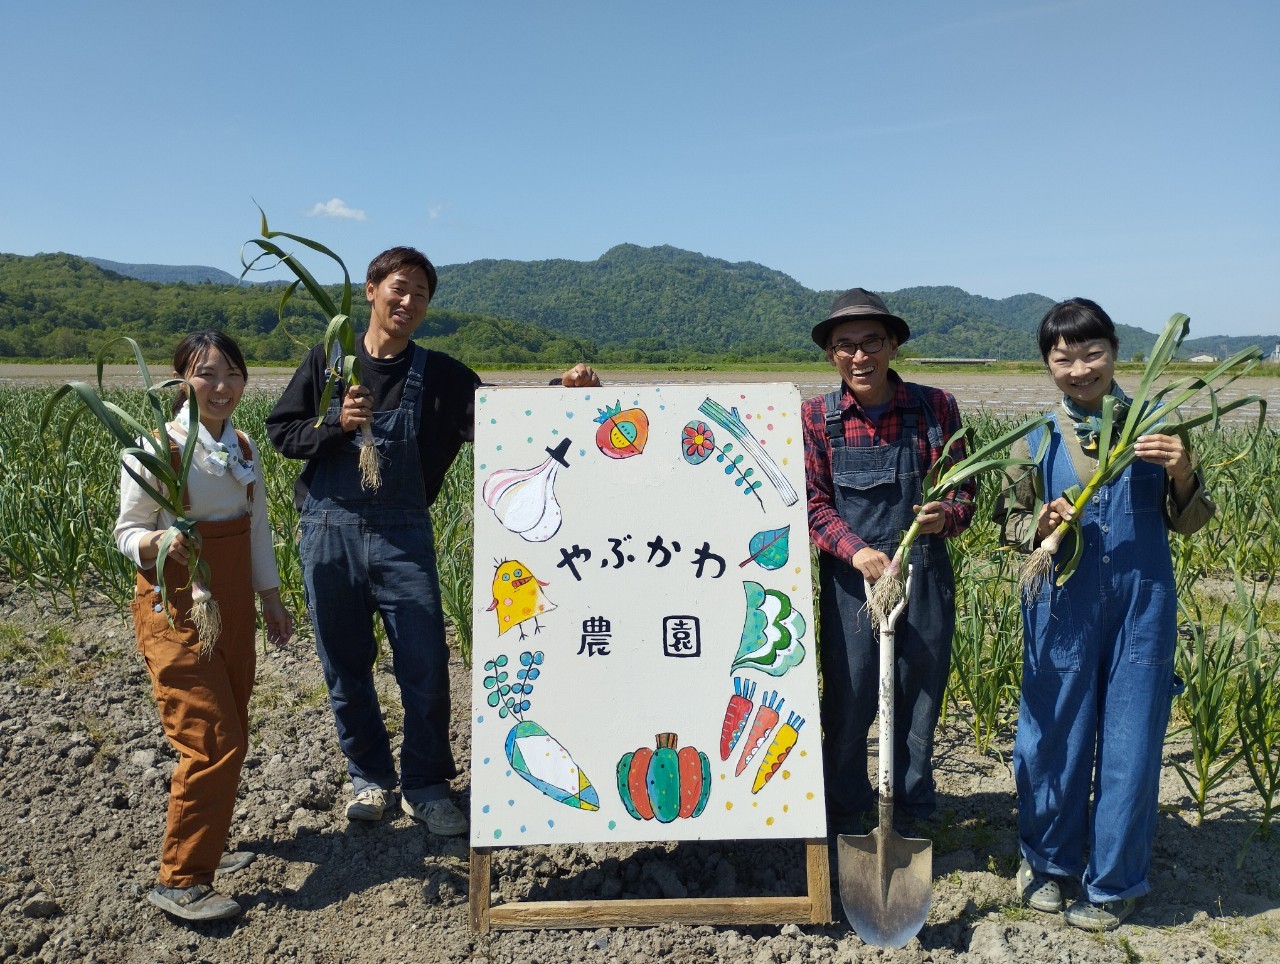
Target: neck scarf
[216, 457]
[1088, 425]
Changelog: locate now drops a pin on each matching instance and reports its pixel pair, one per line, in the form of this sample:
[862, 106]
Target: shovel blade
[886, 881]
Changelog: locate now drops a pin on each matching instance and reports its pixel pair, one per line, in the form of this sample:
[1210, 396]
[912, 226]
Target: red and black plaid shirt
[829, 532]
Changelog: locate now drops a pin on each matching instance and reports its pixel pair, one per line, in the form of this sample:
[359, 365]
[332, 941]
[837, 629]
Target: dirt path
[84, 789]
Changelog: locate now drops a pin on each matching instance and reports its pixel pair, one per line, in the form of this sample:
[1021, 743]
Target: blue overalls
[1097, 679]
[874, 488]
[365, 551]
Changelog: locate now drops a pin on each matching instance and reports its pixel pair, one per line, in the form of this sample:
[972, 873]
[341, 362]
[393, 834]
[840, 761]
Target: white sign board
[644, 658]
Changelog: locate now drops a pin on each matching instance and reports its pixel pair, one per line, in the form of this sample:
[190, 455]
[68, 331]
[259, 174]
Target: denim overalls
[1097, 678]
[365, 551]
[874, 488]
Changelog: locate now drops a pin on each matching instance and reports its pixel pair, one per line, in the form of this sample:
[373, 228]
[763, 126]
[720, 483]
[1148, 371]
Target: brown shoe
[198, 902]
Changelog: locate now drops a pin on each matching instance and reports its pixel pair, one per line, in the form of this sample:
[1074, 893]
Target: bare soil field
[84, 771]
[85, 782]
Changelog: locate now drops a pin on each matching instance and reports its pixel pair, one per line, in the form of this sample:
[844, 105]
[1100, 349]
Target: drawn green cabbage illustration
[771, 632]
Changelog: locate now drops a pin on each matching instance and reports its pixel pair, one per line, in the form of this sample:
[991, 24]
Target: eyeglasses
[868, 346]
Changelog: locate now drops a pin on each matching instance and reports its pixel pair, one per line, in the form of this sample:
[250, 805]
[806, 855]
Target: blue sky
[1124, 150]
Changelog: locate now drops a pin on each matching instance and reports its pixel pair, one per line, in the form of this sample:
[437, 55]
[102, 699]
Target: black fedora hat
[859, 303]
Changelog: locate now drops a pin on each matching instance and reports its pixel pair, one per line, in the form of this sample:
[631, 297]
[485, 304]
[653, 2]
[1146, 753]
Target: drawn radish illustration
[533, 752]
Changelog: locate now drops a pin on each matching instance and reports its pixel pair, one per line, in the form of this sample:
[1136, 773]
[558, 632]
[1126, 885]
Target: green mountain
[655, 302]
[951, 323]
[632, 304]
[59, 306]
[193, 274]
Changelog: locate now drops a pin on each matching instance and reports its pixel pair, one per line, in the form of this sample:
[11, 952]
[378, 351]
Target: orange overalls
[203, 701]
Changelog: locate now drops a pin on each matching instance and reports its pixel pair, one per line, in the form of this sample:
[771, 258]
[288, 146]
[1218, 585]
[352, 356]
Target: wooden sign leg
[819, 872]
[479, 889]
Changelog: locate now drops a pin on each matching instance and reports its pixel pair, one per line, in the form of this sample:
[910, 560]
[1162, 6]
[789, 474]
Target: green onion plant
[339, 335]
[147, 442]
[1149, 411]
[945, 476]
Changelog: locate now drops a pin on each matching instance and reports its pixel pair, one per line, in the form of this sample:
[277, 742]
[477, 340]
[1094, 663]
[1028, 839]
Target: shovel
[886, 879]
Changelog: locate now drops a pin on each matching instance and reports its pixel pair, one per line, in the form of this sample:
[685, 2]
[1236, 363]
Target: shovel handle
[887, 635]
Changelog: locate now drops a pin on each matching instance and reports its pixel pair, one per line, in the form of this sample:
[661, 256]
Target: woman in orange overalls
[202, 690]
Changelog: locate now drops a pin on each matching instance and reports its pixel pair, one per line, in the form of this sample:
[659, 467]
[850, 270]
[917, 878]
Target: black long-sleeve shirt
[448, 412]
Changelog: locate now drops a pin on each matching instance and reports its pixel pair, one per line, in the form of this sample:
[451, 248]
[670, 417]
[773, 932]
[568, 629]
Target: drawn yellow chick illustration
[517, 597]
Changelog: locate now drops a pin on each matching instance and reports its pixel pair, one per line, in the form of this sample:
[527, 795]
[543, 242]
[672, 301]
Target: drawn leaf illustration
[771, 632]
[769, 548]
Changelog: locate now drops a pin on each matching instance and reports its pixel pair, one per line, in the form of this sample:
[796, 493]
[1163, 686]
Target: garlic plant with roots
[945, 476]
[339, 335]
[148, 446]
[1149, 411]
[205, 615]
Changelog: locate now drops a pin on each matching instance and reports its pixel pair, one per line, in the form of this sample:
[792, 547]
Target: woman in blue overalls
[867, 446]
[1097, 677]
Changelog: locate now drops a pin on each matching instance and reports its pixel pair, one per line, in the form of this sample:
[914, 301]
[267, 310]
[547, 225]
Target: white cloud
[336, 208]
[434, 211]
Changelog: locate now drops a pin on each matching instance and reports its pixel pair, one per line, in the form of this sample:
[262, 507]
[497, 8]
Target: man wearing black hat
[868, 445]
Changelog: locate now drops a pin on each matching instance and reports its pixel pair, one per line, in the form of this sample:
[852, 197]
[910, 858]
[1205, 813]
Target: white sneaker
[369, 804]
[440, 816]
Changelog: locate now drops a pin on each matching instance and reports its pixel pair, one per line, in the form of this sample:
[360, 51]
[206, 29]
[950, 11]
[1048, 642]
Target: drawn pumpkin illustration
[663, 782]
[622, 434]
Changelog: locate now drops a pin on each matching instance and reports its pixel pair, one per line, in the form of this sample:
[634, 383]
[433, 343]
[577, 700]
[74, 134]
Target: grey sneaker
[1039, 891]
[440, 816]
[199, 902]
[1105, 916]
[369, 804]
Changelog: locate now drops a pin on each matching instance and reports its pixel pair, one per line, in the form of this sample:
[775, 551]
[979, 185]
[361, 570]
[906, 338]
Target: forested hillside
[652, 301]
[59, 306]
[633, 304]
[195, 274]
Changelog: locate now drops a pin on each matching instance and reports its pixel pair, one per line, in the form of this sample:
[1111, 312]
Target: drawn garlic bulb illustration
[524, 500]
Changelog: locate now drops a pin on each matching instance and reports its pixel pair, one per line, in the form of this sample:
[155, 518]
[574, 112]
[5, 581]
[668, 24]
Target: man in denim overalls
[372, 550]
[867, 447]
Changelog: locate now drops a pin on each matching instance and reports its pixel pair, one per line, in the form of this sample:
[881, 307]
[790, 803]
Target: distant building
[1275, 354]
[1203, 359]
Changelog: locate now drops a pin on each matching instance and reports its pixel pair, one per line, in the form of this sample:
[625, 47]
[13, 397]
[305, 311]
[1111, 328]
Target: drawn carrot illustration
[782, 745]
[736, 715]
[766, 720]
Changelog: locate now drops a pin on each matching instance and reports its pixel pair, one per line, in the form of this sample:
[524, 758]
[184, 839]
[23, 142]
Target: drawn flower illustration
[698, 442]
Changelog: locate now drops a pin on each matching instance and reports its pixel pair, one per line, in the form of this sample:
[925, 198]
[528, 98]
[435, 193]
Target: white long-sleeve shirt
[212, 497]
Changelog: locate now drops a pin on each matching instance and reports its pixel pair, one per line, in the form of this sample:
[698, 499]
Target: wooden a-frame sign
[644, 667]
[813, 908]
